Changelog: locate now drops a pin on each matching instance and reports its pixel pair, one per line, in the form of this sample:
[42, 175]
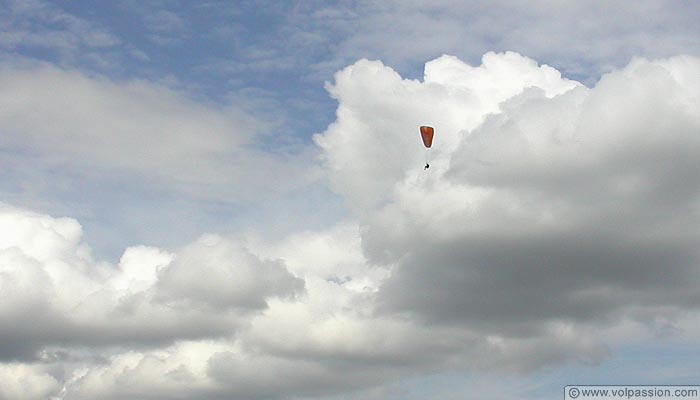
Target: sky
[227, 200]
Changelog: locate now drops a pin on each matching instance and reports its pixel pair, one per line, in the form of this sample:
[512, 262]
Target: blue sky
[227, 199]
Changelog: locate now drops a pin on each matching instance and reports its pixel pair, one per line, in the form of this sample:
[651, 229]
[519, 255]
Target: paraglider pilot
[426, 166]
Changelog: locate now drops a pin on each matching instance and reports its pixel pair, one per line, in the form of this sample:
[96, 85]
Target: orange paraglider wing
[426, 132]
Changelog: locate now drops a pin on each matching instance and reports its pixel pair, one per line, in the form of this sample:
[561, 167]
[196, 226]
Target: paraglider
[426, 133]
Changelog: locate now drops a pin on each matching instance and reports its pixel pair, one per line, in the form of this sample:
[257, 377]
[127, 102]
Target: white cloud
[79, 329]
[212, 319]
[581, 38]
[373, 142]
[226, 275]
[499, 257]
[93, 128]
[54, 294]
[334, 255]
[22, 382]
[176, 325]
[547, 202]
[37, 24]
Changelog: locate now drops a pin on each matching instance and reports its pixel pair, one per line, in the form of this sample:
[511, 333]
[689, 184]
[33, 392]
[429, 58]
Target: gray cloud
[212, 320]
[552, 216]
[145, 133]
[221, 275]
[619, 193]
[55, 295]
[571, 207]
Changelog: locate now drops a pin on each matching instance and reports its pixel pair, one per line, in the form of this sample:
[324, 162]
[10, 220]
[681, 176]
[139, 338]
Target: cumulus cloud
[26, 382]
[372, 143]
[554, 217]
[55, 294]
[226, 275]
[212, 320]
[548, 203]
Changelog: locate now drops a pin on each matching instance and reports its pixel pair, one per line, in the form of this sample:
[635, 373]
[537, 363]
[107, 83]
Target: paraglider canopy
[426, 132]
